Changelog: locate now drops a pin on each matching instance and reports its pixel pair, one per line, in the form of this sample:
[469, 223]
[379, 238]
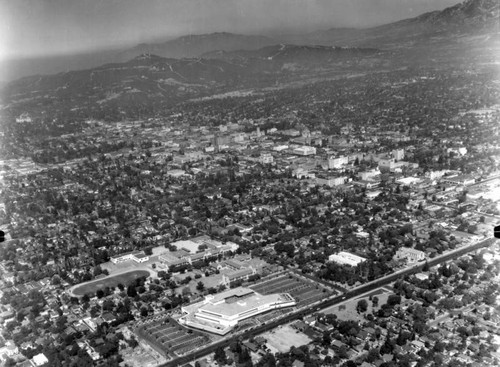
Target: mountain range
[218, 64]
[471, 18]
[150, 81]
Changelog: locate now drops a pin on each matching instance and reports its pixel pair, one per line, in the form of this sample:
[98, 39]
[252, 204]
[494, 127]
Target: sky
[50, 27]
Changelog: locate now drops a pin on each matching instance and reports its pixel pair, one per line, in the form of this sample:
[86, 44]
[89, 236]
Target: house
[9, 349]
[40, 360]
[252, 346]
[108, 317]
[337, 344]
[300, 325]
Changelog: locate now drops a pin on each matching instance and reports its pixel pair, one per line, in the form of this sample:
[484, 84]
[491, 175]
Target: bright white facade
[367, 175]
[409, 254]
[337, 162]
[398, 154]
[220, 313]
[346, 258]
[330, 181]
[40, 359]
[137, 256]
[266, 158]
[280, 148]
[408, 181]
[304, 150]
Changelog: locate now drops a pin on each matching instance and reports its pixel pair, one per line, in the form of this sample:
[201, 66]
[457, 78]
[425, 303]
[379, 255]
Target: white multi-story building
[266, 158]
[337, 162]
[366, 175]
[330, 181]
[386, 163]
[220, 313]
[137, 256]
[409, 254]
[304, 150]
[346, 258]
[398, 154]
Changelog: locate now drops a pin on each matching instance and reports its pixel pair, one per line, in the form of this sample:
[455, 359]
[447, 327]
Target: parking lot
[302, 290]
[169, 337]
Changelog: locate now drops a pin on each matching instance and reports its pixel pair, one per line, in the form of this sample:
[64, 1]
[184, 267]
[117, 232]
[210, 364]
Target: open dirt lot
[283, 337]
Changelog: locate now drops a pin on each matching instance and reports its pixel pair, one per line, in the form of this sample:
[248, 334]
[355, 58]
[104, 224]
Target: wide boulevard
[331, 301]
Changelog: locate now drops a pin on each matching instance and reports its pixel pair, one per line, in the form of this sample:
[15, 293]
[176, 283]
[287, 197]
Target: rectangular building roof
[240, 307]
[188, 245]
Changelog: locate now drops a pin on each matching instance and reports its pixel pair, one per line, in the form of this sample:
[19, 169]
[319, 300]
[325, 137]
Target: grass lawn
[111, 281]
[347, 310]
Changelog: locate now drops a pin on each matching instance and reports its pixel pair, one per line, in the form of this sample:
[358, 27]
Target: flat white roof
[346, 258]
[219, 305]
[189, 245]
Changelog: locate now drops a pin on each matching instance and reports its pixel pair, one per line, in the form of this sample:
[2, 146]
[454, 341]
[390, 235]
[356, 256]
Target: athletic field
[110, 281]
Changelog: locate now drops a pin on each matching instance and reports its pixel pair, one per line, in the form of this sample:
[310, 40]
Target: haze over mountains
[152, 82]
[472, 17]
[469, 18]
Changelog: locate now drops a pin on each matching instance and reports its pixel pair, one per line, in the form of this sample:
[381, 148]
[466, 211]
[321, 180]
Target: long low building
[409, 254]
[137, 256]
[220, 313]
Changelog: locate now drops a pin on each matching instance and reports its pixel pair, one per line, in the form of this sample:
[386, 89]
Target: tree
[244, 356]
[362, 305]
[220, 356]
[131, 292]
[132, 342]
[393, 299]
[342, 352]
[426, 266]
[373, 355]
[268, 360]
[56, 280]
[200, 286]
[327, 340]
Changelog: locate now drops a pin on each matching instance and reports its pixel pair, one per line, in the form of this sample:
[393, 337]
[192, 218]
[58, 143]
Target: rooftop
[236, 302]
